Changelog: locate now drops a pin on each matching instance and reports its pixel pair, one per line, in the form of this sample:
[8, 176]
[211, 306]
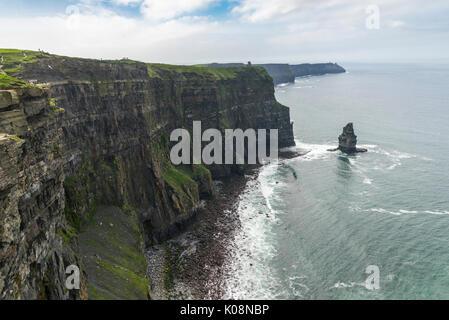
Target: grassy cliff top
[12, 60]
[8, 82]
[45, 67]
[159, 70]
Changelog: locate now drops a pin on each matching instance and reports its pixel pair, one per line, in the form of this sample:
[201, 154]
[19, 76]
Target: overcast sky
[200, 31]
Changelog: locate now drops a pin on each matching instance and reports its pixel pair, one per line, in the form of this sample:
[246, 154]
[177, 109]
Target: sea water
[314, 235]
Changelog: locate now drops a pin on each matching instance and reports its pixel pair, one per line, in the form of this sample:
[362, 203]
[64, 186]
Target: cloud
[126, 2]
[159, 10]
[269, 11]
[256, 30]
[104, 34]
[264, 10]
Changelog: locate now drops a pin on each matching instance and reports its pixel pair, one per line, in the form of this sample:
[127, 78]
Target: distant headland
[286, 73]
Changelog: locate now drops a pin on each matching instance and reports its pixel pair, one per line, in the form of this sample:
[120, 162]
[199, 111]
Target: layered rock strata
[87, 134]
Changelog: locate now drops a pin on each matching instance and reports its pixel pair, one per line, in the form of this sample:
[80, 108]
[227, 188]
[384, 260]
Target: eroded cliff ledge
[89, 133]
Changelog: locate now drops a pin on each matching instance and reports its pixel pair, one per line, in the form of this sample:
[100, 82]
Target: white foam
[381, 210]
[437, 212]
[340, 285]
[297, 287]
[247, 268]
[303, 87]
[394, 157]
[367, 181]
[315, 151]
[403, 211]
[370, 146]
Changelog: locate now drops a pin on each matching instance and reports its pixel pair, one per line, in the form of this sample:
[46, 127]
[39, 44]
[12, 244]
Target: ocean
[313, 236]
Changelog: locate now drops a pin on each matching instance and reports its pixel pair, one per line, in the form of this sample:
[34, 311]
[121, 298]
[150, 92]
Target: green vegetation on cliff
[113, 251]
[184, 72]
[159, 70]
[79, 208]
[92, 185]
[201, 175]
[183, 186]
[13, 60]
[47, 67]
[177, 180]
[8, 82]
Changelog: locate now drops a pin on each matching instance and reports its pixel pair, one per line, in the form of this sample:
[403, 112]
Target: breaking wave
[402, 211]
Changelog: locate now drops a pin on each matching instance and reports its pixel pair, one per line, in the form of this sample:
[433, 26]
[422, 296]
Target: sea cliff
[310, 69]
[78, 136]
[286, 73]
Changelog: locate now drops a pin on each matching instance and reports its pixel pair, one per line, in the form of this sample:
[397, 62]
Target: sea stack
[347, 141]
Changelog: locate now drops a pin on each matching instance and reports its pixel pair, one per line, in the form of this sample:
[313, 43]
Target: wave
[395, 157]
[367, 181]
[436, 212]
[403, 211]
[320, 152]
[303, 87]
[314, 151]
[340, 285]
[249, 275]
[297, 288]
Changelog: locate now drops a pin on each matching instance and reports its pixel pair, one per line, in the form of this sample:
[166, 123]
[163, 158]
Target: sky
[205, 31]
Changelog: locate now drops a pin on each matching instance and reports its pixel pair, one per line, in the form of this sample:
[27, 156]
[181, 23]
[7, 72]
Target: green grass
[132, 280]
[158, 70]
[54, 107]
[182, 185]
[121, 266]
[98, 294]
[122, 61]
[67, 233]
[196, 172]
[14, 59]
[8, 82]
[200, 172]
[15, 138]
[178, 180]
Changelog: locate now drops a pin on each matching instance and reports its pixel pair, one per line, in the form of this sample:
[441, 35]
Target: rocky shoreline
[189, 266]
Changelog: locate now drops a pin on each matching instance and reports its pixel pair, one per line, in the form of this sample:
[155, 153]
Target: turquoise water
[313, 237]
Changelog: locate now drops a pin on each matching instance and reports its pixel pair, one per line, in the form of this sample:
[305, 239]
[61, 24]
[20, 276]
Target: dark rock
[281, 73]
[32, 255]
[347, 141]
[98, 135]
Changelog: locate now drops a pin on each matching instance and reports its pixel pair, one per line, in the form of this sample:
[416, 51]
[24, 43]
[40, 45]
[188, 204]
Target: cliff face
[281, 73]
[286, 73]
[97, 133]
[32, 256]
[307, 69]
